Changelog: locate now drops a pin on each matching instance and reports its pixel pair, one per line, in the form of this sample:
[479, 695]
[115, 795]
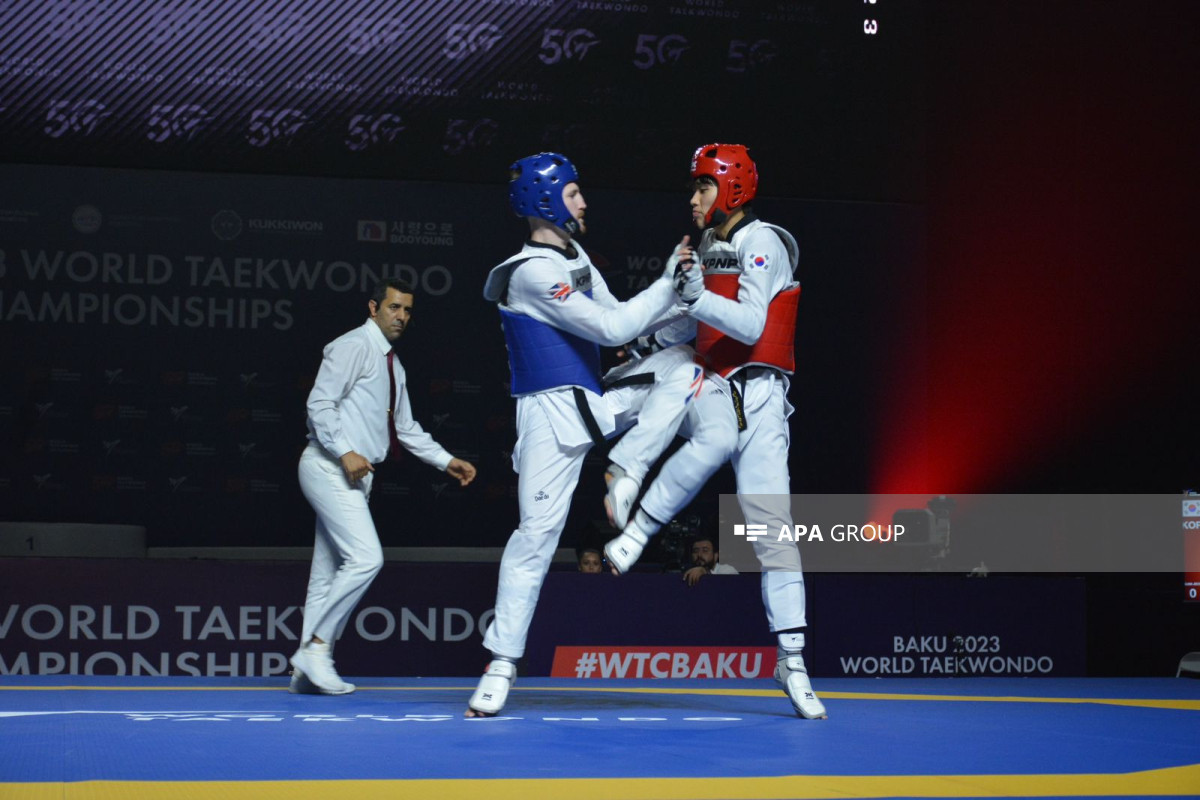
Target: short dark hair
[381, 289]
[710, 539]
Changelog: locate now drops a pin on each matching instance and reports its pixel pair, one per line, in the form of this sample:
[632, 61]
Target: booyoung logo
[372, 230]
[428, 233]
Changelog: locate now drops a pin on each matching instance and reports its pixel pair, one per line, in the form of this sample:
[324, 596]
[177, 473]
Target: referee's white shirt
[348, 404]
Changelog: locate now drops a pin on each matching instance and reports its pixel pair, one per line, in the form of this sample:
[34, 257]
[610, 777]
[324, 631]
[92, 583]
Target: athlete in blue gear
[556, 312]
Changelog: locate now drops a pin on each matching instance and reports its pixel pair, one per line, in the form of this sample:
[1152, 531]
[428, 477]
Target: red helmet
[733, 170]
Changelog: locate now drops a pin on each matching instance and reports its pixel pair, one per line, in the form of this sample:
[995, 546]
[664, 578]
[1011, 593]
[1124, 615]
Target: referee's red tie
[395, 449]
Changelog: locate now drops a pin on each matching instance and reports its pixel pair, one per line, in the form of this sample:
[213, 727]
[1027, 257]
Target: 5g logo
[465, 134]
[274, 124]
[463, 39]
[173, 23]
[284, 29]
[81, 117]
[744, 55]
[77, 16]
[667, 50]
[366, 130]
[558, 44]
[180, 122]
[370, 33]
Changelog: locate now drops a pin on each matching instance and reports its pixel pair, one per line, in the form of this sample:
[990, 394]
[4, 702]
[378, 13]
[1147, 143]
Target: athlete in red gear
[742, 298]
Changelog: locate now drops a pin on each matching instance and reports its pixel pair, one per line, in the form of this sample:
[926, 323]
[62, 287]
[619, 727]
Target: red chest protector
[776, 347]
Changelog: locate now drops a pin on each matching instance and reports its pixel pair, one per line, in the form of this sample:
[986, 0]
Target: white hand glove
[689, 281]
[672, 263]
[673, 259]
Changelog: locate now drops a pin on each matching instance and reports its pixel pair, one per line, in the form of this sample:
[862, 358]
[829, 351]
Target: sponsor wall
[828, 91]
[214, 618]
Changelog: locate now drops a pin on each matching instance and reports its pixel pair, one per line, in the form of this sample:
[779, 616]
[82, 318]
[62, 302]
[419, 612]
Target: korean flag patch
[759, 262]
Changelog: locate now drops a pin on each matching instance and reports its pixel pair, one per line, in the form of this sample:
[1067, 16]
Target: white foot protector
[492, 691]
[792, 677]
[314, 663]
[624, 551]
[620, 497]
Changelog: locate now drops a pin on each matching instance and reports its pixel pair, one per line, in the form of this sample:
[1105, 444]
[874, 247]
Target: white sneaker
[792, 677]
[314, 663]
[302, 685]
[620, 497]
[492, 691]
[624, 551]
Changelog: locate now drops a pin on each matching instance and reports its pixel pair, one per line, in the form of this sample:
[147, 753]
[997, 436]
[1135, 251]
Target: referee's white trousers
[346, 553]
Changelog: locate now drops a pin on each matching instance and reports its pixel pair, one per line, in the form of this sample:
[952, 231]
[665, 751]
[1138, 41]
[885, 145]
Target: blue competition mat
[120, 737]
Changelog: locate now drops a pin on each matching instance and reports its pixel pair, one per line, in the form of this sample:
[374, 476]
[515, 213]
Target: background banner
[207, 617]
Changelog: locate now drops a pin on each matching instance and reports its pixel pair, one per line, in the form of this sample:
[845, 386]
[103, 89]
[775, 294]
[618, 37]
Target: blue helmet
[535, 188]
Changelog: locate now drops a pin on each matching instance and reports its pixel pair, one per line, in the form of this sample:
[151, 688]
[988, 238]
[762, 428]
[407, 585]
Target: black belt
[736, 395]
[737, 388]
[585, 411]
[631, 380]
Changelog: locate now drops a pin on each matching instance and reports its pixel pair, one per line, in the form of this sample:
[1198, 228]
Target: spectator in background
[706, 557]
[591, 560]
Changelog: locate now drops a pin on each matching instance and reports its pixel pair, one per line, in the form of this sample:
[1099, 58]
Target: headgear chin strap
[734, 172]
[535, 189]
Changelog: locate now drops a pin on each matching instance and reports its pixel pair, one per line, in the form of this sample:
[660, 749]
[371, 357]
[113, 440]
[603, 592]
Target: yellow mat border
[1167, 782]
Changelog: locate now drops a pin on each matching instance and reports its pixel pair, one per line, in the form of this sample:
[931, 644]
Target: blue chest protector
[543, 357]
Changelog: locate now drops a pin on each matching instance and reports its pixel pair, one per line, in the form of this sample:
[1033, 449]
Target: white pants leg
[658, 408]
[346, 552]
[764, 491]
[547, 474]
[711, 430]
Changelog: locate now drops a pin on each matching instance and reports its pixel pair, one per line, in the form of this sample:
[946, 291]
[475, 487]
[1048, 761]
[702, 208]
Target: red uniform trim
[776, 347]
